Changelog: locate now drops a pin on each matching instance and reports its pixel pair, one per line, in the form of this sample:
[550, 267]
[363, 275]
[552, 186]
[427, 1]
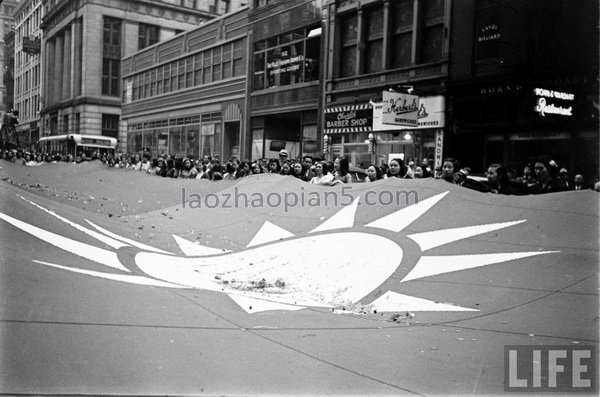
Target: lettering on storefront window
[285, 64]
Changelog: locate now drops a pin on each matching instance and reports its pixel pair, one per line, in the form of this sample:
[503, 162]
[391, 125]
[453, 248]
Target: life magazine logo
[557, 368]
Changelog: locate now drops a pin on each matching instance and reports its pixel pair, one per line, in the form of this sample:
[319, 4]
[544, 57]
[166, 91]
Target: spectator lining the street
[322, 177]
[373, 174]
[546, 174]
[396, 169]
[341, 172]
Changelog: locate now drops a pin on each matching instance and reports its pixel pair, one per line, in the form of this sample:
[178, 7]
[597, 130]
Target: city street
[115, 282]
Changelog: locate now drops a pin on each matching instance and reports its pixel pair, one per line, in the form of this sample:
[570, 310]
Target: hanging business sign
[400, 109]
[550, 102]
[439, 149]
[351, 118]
[32, 45]
[431, 114]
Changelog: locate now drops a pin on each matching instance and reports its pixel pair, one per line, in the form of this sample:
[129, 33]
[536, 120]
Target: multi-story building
[27, 71]
[83, 44]
[7, 26]
[187, 96]
[524, 83]
[497, 81]
[376, 46]
[285, 86]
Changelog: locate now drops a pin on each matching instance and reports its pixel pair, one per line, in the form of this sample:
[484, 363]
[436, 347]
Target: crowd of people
[541, 175]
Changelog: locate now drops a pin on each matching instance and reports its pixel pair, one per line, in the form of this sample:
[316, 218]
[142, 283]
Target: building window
[189, 72]
[286, 59]
[226, 61]
[374, 39]
[349, 42]
[111, 59]
[216, 61]
[110, 125]
[488, 35]
[147, 35]
[432, 40]
[181, 77]
[198, 69]
[402, 33]
[65, 123]
[206, 71]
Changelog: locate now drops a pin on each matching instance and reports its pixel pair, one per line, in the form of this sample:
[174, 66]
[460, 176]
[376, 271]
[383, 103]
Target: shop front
[359, 133]
[514, 122]
[294, 131]
[191, 134]
[346, 133]
[407, 142]
[284, 79]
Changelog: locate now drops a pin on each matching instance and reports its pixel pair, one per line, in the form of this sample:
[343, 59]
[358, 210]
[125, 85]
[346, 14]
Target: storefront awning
[348, 119]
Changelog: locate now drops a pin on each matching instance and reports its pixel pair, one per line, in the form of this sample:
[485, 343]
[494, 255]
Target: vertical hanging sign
[439, 148]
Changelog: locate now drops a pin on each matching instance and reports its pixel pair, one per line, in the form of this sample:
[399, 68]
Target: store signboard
[431, 114]
[32, 45]
[551, 102]
[351, 118]
[439, 149]
[400, 109]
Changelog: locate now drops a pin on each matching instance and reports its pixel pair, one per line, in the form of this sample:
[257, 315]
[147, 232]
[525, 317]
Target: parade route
[114, 283]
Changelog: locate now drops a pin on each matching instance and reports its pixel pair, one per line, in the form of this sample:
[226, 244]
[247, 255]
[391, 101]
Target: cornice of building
[140, 6]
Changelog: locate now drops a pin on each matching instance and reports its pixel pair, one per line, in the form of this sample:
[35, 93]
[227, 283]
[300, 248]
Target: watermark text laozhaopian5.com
[560, 368]
[301, 198]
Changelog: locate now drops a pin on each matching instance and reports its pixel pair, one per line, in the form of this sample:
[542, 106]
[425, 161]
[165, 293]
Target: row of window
[30, 79]
[29, 24]
[194, 141]
[205, 118]
[28, 108]
[219, 63]
[416, 37]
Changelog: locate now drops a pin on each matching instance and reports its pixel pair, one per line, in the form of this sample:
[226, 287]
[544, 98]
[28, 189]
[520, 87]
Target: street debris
[397, 316]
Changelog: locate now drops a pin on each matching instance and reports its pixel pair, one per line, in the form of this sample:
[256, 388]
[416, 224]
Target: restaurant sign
[550, 102]
[431, 114]
[351, 118]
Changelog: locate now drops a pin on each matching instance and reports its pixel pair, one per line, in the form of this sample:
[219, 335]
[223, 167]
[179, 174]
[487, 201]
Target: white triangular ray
[253, 305]
[105, 239]
[428, 240]
[98, 255]
[343, 218]
[269, 232]
[193, 249]
[434, 265]
[395, 302]
[400, 219]
[128, 240]
[126, 278]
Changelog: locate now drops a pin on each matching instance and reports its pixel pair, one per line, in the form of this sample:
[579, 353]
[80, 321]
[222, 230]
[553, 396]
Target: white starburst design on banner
[281, 271]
